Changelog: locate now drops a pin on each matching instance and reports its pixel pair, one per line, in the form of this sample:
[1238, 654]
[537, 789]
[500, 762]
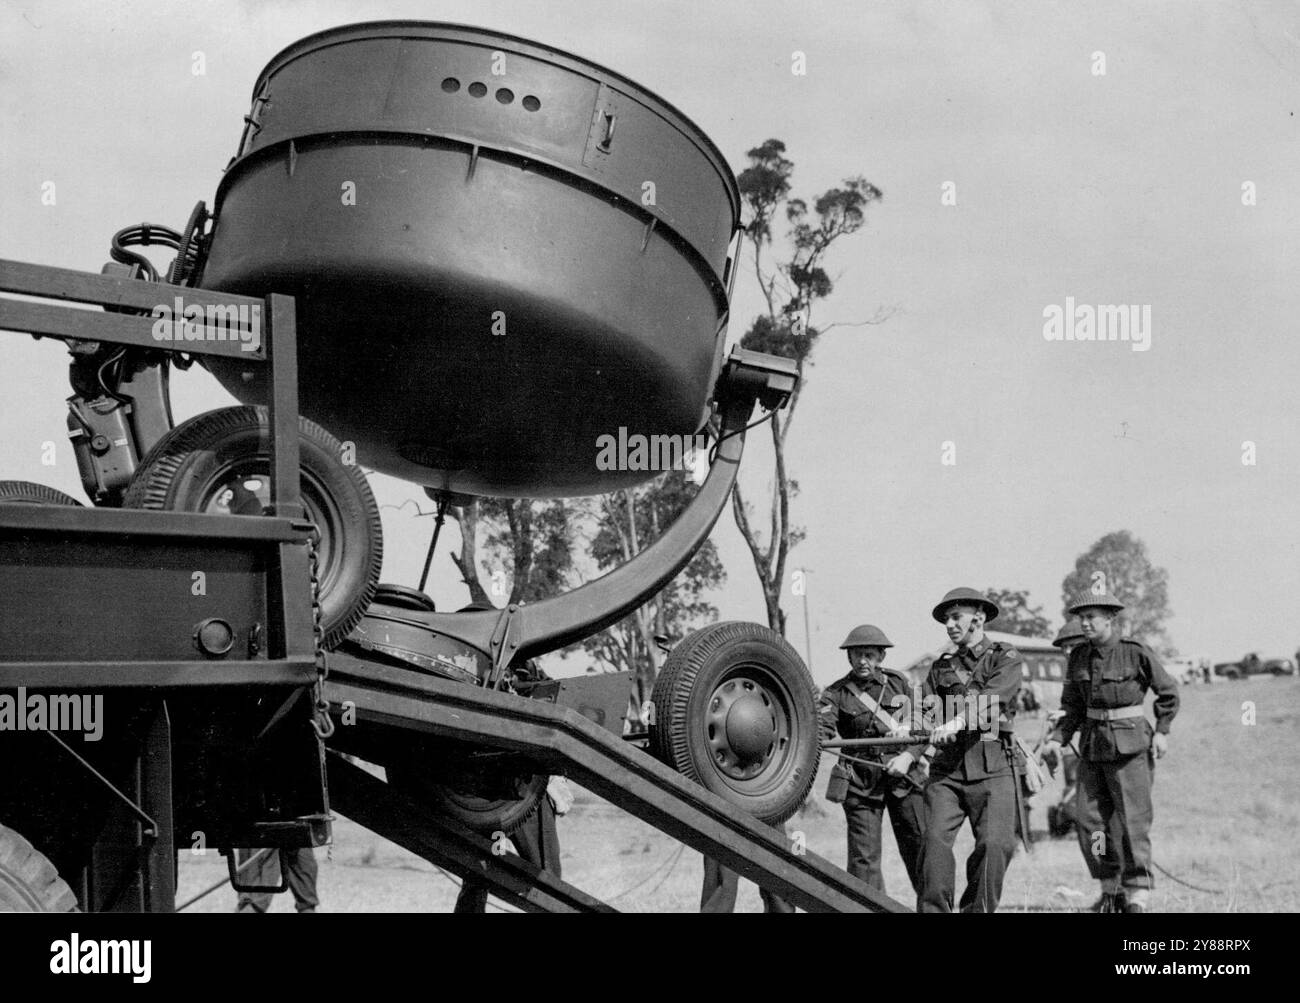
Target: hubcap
[746, 727]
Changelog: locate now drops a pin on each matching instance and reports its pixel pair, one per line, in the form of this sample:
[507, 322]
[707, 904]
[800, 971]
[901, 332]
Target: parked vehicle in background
[1253, 665]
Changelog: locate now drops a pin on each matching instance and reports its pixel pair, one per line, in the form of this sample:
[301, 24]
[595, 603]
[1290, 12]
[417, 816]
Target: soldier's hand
[899, 765]
[557, 789]
[1161, 744]
[946, 732]
[1051, 755]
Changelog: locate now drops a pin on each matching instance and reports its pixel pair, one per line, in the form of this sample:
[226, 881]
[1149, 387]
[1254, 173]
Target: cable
[1186, 884]
[669, 874]
[713, 450]
[142, 235]
[671, 858]
[226, 880]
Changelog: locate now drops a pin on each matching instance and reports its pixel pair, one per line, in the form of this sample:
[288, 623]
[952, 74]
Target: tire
[483, 812]
[28, 881]
[207, 464]
[764, 759]
[29, 493]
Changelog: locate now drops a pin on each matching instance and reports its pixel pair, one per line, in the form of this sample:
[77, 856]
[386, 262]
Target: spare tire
[502, 805]
[28, 881]
[736, 711]
[30, 493]
[219, 462]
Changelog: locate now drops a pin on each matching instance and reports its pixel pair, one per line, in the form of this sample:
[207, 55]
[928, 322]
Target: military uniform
[721, 885]
[299, 867]
[1105, 685]
[842, 710]
[538, 842]
[971, 778]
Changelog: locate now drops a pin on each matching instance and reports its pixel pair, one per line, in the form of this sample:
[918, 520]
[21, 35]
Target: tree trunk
[467, 562]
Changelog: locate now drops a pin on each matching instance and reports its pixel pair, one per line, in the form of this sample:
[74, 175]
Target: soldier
[858, 706]
[1064, 816]
[973, 691]
[537, 840]
[299, 867]
[1106, 682]
[721, 885]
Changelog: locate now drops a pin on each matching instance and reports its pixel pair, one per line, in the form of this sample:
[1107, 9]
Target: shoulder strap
[871, 705]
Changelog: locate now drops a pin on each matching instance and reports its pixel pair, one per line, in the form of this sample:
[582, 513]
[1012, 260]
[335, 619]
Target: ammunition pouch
[837, 790]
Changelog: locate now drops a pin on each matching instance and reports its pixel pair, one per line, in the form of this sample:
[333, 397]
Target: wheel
[28, 881]
[28, 493]
[219, 462]
[485, 805]
[404, 597]
[736, 711]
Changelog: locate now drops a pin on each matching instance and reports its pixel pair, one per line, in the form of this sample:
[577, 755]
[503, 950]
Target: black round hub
[744, 727]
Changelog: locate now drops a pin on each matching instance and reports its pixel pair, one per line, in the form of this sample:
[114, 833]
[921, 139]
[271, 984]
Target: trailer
[220, 728]
[506, 290]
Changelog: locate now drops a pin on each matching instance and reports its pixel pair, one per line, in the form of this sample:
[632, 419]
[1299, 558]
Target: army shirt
[839, 711]
[985, 675]
[1106, 676]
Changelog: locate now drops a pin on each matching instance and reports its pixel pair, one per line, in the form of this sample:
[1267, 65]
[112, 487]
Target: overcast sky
[1122, 188]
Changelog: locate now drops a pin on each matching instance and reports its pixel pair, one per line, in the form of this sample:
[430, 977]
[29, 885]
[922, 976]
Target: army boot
[1111, 898]
[1136, 899]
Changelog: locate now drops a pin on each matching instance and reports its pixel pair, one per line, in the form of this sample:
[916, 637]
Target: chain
[321, 721]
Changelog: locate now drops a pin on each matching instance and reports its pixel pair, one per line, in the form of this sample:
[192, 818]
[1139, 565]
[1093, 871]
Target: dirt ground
[1227, 804]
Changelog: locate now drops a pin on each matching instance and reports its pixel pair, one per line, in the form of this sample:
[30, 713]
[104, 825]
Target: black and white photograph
[603, 456]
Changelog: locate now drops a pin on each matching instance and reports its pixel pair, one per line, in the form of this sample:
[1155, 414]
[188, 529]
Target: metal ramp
[442, 842]
[560, 740]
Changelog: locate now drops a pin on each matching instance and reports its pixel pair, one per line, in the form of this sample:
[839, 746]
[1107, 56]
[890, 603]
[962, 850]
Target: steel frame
[64, 554]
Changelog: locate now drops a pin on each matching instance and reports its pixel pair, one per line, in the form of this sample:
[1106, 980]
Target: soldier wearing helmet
[872, 702]
[1106, 681]
[971, 691]
[1062, 817]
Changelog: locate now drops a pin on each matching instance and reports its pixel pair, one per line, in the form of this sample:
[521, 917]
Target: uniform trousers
[299, 863]
[538, 842]
[990, 804]
[1114, 814]
[718, 893]
[865, 817]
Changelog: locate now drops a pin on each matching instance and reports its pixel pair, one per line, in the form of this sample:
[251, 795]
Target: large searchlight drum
[500, 253]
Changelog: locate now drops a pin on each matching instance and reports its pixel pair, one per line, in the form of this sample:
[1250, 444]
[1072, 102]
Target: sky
[1123, 187]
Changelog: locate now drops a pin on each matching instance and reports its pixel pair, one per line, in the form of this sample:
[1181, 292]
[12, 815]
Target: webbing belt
[1114, 713]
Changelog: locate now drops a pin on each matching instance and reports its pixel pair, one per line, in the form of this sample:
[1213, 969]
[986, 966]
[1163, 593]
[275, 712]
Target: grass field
[1227, 804]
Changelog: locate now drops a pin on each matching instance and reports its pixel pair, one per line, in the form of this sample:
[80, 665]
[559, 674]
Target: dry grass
[1226, 802]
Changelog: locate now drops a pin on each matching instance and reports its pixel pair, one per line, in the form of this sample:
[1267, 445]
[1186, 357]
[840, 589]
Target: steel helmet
[1103, 601]
[968, 597]
[1070, 631]
[867, 636]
